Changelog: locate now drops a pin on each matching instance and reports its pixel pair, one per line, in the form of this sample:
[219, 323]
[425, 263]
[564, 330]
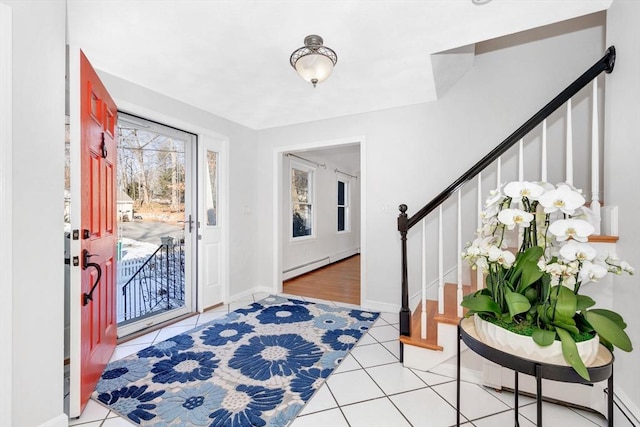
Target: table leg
[515, 398]
[458, 381]
[610, 400]
[539, 394]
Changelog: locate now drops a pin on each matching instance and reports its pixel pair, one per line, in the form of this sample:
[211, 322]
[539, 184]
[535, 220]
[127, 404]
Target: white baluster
[459, 292]
[595, 159]
[521, 160]
[569, 165]
[499, 172]
[440, 264]
[423, 314]
[543, 155]
[479, 277]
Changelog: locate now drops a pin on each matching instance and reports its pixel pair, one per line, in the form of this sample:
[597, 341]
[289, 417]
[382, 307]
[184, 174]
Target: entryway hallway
[372, 388]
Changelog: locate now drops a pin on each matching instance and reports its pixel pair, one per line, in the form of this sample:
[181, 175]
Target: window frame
[347, 204]
[312, 200]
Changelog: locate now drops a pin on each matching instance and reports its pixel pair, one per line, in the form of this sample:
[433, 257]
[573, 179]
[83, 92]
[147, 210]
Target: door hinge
[75, 234]
[76, 261]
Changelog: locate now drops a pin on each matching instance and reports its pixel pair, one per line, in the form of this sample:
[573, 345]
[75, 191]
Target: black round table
[600, 370]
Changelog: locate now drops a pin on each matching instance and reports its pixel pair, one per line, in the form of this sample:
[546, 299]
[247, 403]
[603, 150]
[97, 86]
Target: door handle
[86, 297]
[190, 222]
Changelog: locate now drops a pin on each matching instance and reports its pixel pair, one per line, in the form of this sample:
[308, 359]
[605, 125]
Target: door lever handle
[86, 297]
[190, 222]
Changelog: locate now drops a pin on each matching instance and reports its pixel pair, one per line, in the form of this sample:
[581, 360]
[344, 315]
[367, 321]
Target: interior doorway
[319, 219]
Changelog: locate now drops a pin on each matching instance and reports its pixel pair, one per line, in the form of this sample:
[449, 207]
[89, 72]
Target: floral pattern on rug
[256, 366]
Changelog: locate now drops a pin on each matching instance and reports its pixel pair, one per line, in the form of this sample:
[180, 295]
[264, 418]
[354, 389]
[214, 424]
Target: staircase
[428, 334]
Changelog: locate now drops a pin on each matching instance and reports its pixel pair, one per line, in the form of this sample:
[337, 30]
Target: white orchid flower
[518, 190]
[495, 196]
[511, 217]
[591, 272]
[504, 258]
[576, 229]
[562, 198]
[573, 251]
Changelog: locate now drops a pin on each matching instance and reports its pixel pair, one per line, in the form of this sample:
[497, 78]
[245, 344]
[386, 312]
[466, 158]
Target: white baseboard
[249, 292]
[383, 307]
[61, 420]
[290, 273]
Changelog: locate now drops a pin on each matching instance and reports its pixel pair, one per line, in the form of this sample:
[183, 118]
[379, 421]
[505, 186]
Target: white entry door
[212, 225]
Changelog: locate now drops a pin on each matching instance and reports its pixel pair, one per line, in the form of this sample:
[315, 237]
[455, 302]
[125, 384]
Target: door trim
[278, 192]
[201, 133]
[6, 209]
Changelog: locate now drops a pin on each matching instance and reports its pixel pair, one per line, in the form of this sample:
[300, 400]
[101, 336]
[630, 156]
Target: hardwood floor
[339, 281]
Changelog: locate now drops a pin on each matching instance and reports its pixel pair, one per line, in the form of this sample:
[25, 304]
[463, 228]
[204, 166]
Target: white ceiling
[231, 57]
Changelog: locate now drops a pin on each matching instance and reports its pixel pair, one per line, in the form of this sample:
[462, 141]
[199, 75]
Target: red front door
[93, 299]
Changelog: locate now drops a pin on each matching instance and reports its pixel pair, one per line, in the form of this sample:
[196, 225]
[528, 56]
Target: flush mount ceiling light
[314, 62]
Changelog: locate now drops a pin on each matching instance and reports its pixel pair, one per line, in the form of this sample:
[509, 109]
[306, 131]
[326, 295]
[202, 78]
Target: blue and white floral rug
[256, 366]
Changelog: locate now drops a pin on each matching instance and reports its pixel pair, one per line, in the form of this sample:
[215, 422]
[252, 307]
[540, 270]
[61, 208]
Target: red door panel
[98, 203]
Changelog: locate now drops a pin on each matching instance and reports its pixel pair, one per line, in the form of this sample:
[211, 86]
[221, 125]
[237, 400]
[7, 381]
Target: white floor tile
[503, 419]
[117, 422]
[332, 417]
[508, 398]
[431, 378]
[372, 355]
[598, 418]
[318, 300]
[348, 364]
[242, 303]
[384, 333]
[395, 378]
[374, 413]
[390, 318]
[92, 412]
[555, 415]
[320, 401]
[208, 316]
[393, 347]
[170, 331]
[126, 350]
[147, 338]
[424, 408]
[91, 424]
[189, 321]
[475, 401]
[260, 296]
[366, 339]
[352, 387]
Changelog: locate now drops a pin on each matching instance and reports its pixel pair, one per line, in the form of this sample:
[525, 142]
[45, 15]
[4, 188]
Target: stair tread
[431, 342]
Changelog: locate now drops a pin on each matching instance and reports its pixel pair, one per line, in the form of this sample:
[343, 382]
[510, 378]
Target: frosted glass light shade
[314, 68]
[313, 62]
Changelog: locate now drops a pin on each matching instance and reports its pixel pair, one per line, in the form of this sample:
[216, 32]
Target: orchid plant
[537, 285]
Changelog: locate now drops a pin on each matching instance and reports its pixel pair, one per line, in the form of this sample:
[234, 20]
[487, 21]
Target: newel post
[405, 313]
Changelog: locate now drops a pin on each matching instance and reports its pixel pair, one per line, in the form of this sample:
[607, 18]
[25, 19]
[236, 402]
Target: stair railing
[405, 222]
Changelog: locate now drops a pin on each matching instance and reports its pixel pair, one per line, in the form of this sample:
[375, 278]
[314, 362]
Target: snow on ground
[133, 249]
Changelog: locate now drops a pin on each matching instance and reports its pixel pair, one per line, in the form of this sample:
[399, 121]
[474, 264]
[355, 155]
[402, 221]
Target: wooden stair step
[432, 328]
[450, 315]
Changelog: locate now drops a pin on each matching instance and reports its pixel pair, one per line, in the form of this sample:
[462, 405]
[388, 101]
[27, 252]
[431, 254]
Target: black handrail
[606, 64]
[405, 223]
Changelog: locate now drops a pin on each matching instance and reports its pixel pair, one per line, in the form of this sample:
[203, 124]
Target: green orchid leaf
[582, 323]
[606, 344]
[612, 316]
[584, 302]
[566, 303]
[532, 254]
[531, 273]
[570, 353]
[517, 303]
[479, 303]
[609, 330]
[543, 337]
[566, 323]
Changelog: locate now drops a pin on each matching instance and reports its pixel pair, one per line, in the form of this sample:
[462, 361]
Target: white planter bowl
[526, 347]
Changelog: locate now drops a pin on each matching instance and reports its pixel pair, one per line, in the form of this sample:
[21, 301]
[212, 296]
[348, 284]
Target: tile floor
[371, 388]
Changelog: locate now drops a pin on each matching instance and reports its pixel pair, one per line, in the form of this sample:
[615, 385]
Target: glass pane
[300, 186]
[301, 220]
[212, 187]
[341, 193]
[341, 215]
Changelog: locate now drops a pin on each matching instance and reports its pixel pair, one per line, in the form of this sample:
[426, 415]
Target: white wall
[327, 245]
[623, 181]
[243, 208]
[37, 208]
[412, 153]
